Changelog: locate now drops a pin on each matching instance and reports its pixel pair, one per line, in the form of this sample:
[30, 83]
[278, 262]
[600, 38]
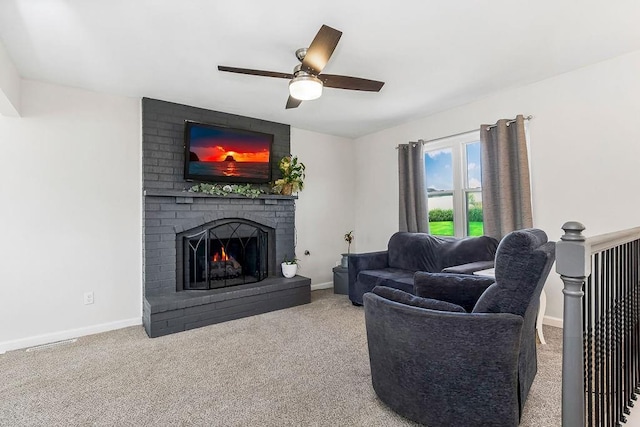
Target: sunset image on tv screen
[221, 152]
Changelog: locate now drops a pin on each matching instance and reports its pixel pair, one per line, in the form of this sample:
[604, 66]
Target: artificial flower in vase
[345, 257]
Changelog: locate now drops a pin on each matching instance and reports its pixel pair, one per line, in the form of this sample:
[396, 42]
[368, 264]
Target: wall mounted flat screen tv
[221, 154]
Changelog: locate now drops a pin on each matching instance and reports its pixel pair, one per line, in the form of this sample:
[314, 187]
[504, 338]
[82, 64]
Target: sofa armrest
[469, 268]
[366, 261]
[461, 289]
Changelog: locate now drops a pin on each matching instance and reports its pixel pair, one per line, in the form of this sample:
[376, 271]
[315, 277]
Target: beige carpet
[306, 365]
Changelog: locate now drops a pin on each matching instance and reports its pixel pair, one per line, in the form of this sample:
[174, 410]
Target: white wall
[9, 85]
[324, 209]
[70, 194]
[584, 144]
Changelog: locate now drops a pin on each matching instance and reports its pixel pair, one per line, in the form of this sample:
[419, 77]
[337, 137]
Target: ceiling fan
[306, 81]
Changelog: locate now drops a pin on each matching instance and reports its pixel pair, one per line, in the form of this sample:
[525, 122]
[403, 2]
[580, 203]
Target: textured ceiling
[433, 55]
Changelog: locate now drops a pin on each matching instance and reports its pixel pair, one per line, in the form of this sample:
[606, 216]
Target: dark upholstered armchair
[434, 362]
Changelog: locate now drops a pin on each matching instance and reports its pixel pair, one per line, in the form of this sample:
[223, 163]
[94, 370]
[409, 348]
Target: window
[454, 186]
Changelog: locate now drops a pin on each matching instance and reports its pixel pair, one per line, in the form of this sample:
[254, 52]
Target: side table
[340, 280]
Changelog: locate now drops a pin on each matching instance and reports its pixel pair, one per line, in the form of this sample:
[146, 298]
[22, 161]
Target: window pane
[438, 165]
[441, 214]
[475, 226]
[474, 165]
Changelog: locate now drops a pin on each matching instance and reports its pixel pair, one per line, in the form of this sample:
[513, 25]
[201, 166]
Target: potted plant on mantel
[289, 267]
[293, 176]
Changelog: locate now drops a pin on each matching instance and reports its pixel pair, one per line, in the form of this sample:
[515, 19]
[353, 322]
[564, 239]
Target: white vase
[289, 270]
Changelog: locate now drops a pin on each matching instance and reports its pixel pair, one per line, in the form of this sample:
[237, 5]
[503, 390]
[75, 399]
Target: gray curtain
[506, 189]
[413, 193]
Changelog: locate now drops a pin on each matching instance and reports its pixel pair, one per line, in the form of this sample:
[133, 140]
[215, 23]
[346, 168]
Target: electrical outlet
[88, 298]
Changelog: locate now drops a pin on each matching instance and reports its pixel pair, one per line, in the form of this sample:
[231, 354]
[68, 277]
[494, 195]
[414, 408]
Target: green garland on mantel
[246, 190]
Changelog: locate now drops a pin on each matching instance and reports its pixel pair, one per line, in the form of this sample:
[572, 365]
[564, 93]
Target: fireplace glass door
[228, 254]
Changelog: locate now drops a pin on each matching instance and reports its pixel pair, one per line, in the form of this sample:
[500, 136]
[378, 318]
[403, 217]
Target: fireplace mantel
[178, 193]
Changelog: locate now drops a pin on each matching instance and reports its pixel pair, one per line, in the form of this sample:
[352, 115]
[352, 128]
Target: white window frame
[457, 144]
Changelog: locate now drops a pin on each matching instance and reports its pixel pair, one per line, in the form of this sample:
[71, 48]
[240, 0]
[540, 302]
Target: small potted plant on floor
[345, 257]
[289, 267]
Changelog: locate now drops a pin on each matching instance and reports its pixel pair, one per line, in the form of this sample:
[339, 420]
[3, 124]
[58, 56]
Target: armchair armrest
[367, 261]
[461, 289]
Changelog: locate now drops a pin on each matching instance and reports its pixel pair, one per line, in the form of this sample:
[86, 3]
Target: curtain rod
[529, 117]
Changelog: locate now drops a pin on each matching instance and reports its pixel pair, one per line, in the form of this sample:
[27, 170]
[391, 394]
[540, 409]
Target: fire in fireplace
[227, 254]
[223, 265]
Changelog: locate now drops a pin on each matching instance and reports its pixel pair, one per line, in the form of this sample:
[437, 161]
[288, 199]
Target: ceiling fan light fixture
[305, 88]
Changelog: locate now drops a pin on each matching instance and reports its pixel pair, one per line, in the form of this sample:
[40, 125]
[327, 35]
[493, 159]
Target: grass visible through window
[445, 228]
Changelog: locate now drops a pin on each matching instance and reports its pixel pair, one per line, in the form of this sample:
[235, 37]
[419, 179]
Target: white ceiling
[432, 54]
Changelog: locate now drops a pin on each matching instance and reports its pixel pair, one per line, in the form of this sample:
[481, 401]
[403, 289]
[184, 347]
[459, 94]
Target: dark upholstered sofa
[411, 252]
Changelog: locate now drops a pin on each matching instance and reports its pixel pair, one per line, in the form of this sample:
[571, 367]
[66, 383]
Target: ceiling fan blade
[321, 49]
[292, 102]
[351, 83]
[255, 72]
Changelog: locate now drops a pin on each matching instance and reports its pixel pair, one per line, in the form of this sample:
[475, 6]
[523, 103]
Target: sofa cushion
[424, 252]
[408, 299]
[461, 289]
[414, 251]
[391, 277]
[467, 250]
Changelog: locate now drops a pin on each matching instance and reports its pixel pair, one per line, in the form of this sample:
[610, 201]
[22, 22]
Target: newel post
[573, 263]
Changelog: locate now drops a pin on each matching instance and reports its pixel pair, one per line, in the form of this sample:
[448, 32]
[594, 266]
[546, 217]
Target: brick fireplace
[177, 298]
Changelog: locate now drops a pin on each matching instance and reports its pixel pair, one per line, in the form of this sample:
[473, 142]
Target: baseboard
[325, 285]
[552, 321]
[68, 334]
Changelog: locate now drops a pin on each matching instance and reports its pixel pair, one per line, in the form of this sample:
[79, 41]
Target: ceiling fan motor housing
[301, 53]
